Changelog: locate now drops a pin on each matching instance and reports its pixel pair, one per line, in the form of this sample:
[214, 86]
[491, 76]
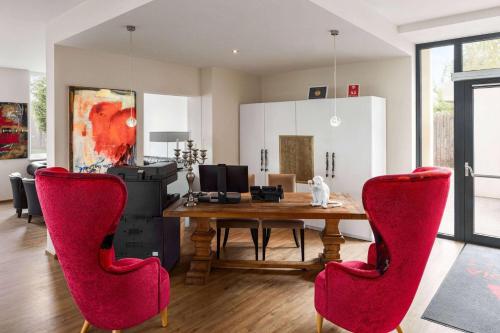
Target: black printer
[143, 231]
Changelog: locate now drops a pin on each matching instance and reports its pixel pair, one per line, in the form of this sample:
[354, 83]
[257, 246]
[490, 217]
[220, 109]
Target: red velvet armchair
[404, 212]
[82, 212]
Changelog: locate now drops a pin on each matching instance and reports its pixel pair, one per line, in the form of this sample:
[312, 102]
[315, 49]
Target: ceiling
[410, 11]
[22, 31]
[35, 10]
[271, 35]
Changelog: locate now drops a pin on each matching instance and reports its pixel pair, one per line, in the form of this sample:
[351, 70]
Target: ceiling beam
[450, 20]
[87, 15]
[362, 15]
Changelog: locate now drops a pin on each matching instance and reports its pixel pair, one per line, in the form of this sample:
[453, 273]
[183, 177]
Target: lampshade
[168, 136]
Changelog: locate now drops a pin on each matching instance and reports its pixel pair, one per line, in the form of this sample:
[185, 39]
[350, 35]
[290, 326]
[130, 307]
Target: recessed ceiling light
[236, 51]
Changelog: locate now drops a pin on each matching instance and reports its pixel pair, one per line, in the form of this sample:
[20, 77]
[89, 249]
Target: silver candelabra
[189, 158]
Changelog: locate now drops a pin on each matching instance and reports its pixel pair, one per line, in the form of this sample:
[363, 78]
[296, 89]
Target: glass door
[482, 161]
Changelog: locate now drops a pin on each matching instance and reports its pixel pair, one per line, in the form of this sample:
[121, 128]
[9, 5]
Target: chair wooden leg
[218, 242]
[164, 317]
[255, 238]
[319, 323]
[295, 237]
[264, 235]
[302, 244]
[226, 235]
[85, 327]
[399, 329]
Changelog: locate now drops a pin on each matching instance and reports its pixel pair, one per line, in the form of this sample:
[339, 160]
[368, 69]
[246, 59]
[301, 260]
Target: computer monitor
[224, 178]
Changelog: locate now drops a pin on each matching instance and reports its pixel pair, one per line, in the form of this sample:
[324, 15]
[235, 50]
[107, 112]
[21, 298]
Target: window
[483, 54]
[38, 117]
[439, 128]
[437, 116]
[163, 113]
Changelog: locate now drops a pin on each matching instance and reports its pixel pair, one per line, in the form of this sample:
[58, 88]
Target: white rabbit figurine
[321, 193]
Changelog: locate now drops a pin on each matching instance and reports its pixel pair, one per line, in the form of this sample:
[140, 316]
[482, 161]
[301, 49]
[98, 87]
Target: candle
[177, 143]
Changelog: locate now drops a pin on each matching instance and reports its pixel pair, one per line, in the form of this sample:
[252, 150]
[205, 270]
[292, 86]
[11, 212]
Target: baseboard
[313, 227]
[6, 201]
[316, 228]
[50, 254]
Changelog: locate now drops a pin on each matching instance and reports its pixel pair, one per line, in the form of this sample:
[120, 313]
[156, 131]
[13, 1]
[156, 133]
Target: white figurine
[321, 193]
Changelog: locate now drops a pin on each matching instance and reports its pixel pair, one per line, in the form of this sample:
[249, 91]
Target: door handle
[266, 161]
[262, 160]
[333, 165]
[468, 170]
[327, 166]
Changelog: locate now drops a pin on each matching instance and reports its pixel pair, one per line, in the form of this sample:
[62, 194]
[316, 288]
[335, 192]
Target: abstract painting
[99, 135]
[13, 130]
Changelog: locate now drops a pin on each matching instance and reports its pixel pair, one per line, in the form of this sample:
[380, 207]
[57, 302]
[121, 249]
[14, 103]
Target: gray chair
[18, 193]
[34, 166]
[227, 224]
[287, 181]
[34, 208]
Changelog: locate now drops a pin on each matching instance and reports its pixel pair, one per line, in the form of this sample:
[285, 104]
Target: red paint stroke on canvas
[112, 137]
[495, 290]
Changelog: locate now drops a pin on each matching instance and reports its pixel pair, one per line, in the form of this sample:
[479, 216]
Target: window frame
[39, 156]
[457, 43]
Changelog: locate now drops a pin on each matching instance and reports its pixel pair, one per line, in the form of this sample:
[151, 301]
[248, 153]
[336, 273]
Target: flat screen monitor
[213, 178]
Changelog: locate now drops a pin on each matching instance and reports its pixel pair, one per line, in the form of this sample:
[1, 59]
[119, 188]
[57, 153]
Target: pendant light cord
[334, 33]
[131, 29]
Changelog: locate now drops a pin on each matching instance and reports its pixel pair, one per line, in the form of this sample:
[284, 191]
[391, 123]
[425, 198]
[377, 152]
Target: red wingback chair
[82, 212]
[404, 212]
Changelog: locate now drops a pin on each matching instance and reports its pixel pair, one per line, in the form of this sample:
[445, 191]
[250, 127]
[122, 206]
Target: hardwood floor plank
[34, 296]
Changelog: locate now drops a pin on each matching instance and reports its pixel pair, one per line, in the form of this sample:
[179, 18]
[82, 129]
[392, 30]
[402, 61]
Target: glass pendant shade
[131, 122]
[335, 121]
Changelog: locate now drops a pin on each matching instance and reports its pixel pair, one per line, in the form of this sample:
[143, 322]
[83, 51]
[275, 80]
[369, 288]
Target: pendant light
[131, 121]
[335, 120]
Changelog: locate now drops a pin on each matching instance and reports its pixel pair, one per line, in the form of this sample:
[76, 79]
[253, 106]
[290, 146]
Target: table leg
[332, 239]
[201, 262]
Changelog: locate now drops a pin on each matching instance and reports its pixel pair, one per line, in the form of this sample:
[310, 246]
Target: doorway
[458, 112]
[480, 109]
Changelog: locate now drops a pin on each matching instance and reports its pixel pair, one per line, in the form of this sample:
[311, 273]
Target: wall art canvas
[297, 156]
[99, 135]
[13, 130]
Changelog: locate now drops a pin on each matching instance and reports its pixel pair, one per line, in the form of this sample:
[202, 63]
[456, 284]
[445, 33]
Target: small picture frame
[318, 92]
[353, 90]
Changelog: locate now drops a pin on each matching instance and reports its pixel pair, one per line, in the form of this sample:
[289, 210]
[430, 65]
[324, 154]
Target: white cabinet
[261, 125]
[279, 120]
[252, 138]
[359, 143]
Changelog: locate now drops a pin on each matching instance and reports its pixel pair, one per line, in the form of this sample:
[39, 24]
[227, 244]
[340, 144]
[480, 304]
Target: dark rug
[469, 297]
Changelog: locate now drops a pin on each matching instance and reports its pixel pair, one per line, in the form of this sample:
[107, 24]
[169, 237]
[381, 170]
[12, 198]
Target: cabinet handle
[262, 160]
[327, 158]
[333, 165]
[266, 161]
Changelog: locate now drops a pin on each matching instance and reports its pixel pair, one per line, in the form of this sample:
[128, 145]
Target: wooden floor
[34, 297]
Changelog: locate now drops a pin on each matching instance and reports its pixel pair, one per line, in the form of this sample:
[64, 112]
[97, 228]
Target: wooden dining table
[293, 206]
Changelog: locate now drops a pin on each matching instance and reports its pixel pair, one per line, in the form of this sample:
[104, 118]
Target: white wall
[229, 89]
[79, 67]
[163, 113]
[391, 79]
[14, 87]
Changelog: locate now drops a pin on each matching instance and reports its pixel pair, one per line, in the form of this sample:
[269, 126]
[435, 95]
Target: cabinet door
[252, 140]
[313, 118]
[279, 120]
